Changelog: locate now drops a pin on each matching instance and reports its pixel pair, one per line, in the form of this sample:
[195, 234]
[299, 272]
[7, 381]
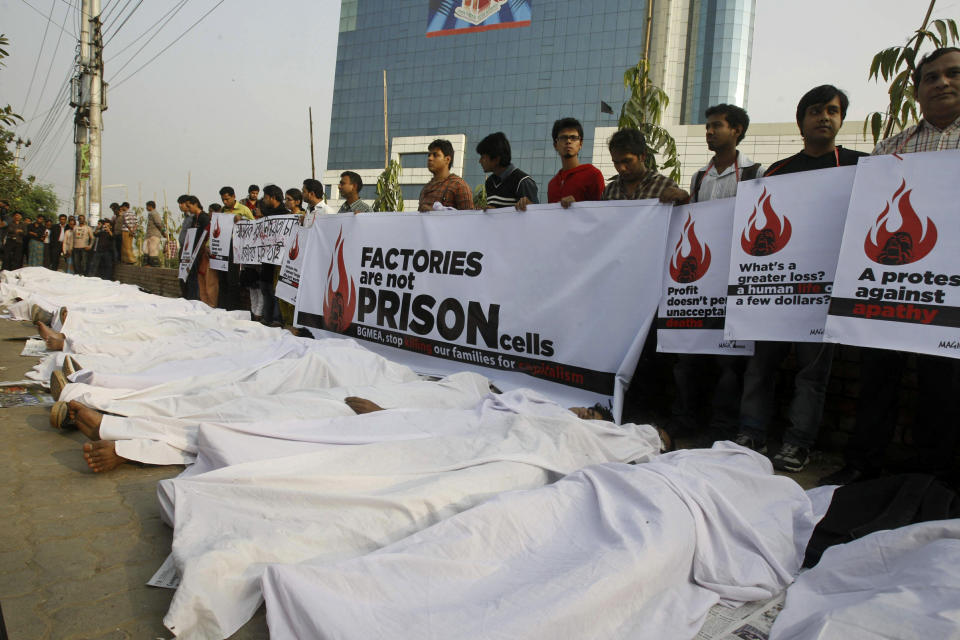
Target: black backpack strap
[749, 173]
[695, 196]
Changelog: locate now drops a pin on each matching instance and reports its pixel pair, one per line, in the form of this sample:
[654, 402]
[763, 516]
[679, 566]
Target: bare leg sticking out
[101, 456]
[53, 339]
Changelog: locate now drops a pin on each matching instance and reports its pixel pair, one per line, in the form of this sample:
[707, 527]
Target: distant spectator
[16, 234]
[82, 244]
[156, 231]
[128, 230]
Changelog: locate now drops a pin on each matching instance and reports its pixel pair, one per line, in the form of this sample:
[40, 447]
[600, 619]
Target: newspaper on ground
[23, 393]
[34, 348]
[167, 576]
[750, 621]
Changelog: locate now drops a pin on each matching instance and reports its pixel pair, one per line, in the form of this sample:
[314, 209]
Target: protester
[820, 114]
[936, 430]
[251, 202]
[293, 201]
[726, 126]
[156, 230]
[272, 206]
[313, 196]
[574, 182]
[239, 277]
[350, 185]
[628, 150]
[82, 244]
[506, 186]
[445, 189]
[201, 283]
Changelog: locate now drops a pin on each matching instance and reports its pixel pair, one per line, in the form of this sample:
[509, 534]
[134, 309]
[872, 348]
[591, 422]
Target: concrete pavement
[76, 548]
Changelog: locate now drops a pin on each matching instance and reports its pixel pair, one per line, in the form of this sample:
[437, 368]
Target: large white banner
[693, 306]
[898, 281]
[554, 299]
[786, 238]
[262, 241]
[221, 231]
[288, 280]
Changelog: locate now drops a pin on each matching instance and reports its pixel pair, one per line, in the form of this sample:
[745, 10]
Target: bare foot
[101, 455]
[88, 420]
[63, 315]
[361, 405]
[53, 340]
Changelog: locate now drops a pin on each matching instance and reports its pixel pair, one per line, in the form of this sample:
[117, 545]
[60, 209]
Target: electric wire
[119, 83]
[49, 20]
[175, 8]
[117, 30]
[53, 58]
[149, 40]
[36, 64]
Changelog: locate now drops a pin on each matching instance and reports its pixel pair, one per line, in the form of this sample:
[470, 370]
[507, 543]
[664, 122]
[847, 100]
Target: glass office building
[473, 67]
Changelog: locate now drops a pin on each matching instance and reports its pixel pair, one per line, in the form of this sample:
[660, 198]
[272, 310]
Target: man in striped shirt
[506, 185]
[936, 431]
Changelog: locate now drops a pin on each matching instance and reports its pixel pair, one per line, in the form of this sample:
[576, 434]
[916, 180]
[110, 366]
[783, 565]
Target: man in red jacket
[574, 182]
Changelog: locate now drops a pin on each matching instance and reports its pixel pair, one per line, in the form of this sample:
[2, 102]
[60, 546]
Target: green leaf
[876, 124]
[941, 28]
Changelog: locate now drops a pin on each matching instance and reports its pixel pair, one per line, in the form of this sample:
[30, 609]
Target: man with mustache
[936, 83]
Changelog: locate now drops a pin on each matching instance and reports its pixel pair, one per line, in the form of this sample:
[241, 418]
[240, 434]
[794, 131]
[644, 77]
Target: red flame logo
[216, 228]
[909, 243]
[769, 238]
[295, 249]
[340, 303]
[694, 265]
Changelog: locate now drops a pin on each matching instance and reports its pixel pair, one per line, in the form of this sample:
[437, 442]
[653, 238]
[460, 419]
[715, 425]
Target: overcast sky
[228, 102]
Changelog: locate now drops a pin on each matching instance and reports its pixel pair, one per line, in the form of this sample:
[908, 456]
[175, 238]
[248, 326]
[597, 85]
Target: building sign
[449, 17]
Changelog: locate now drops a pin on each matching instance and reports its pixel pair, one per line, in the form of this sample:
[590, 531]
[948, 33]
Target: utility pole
[16, 156]
[313, 167]
[79, 99]
[96, 107]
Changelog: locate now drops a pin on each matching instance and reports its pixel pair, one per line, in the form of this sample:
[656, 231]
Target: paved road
[76, 548]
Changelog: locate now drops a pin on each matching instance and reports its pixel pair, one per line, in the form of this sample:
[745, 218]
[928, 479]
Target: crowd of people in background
[741, 394]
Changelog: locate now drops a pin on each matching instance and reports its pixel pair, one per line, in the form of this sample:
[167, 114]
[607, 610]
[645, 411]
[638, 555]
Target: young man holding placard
[820, 114]
[726, 127]
[937, 87]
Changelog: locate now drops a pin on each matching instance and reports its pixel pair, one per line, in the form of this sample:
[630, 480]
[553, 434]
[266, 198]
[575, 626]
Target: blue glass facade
[717, 68]
[518, 80]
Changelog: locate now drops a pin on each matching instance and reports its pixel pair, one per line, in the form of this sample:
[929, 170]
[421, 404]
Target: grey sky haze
[228, 102]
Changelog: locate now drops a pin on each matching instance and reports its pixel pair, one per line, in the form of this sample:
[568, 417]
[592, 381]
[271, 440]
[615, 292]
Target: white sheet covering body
[901, 584]
[612, 551]
[168, 440]
[337, 501]
[329, 363]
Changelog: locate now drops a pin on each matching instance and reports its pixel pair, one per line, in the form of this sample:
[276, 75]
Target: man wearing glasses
[575, 181]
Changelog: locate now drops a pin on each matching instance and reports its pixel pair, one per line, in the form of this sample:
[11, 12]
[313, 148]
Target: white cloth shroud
[337, 501]
[612, 551]
[898, 584]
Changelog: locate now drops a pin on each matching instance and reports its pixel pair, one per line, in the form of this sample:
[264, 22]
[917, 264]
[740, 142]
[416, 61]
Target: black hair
[734, 115]
[215, 207]
[628, 140]
[354, 178]
[151, 203]
[446, 148]
[252, 187]
[313, 186]
[183, 198]
[822, 95]
[930, 57]
[295, 194]
[114, 206]
[566, 123]
[126, 204]
[603, 411]
[496, 146]
[227, 191]
[194, 200]
[274, 192]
